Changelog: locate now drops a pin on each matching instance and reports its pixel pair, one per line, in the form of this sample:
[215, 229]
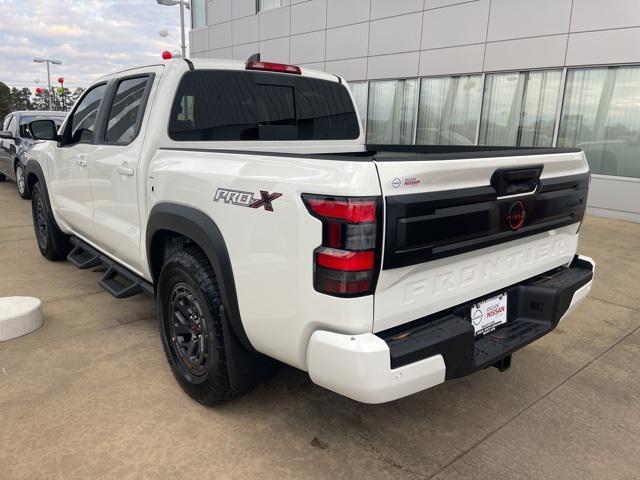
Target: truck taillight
[348, 261]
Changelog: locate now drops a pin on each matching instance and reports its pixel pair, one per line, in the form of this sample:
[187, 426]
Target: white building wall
[371, 39]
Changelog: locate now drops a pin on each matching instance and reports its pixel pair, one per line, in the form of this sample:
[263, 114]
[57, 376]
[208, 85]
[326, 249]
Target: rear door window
[241, 105]
[126, 110]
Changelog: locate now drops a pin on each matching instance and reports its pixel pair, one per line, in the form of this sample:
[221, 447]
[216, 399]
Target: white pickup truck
[243, 197]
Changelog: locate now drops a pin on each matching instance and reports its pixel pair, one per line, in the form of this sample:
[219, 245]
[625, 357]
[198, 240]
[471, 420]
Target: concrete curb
[19, 316]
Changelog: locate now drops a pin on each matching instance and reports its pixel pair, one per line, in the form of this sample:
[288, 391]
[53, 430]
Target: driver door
[70, 186]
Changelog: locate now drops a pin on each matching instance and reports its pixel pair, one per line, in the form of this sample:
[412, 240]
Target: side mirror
[43, 130]
[6, 134]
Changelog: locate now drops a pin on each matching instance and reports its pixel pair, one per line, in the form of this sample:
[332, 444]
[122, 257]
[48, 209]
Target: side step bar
[116, 279]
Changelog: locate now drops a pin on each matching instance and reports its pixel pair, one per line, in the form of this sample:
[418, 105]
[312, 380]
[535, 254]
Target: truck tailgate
[459, 229]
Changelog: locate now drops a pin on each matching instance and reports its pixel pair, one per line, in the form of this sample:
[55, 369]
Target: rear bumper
[377, 368]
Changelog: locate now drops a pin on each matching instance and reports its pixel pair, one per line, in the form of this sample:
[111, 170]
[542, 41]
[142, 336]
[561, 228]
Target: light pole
[48, 61]
[183, 4]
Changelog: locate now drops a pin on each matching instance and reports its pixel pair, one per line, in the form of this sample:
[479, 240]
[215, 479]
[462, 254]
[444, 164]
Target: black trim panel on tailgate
[427, 226]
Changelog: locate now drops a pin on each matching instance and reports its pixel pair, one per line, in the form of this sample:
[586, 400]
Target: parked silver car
[15, 142]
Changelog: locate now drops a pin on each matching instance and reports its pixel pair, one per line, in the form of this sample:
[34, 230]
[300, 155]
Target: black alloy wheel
[188, 331]
[41, 223]
[52, 242]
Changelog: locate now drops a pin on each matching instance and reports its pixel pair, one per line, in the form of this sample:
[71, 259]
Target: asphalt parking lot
[89, 395]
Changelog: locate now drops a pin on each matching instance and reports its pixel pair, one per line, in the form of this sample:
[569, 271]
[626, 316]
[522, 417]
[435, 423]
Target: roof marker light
[274, 67]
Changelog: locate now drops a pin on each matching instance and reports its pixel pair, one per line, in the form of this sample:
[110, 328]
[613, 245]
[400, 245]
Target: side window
[83, 119]
[125, 115]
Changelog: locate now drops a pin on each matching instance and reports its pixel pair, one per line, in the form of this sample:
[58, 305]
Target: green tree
[21, 99]
[5, 100]
[41, 102]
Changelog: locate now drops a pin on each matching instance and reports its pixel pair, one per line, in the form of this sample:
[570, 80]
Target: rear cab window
[219, 105]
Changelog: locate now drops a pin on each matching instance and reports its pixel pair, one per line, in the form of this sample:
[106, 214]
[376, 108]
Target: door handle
[122, 170]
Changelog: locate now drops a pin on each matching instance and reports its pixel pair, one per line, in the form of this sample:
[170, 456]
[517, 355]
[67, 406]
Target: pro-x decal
[246, 199]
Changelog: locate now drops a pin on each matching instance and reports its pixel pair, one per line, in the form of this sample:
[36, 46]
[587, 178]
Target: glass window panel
[392, 111]
[271, 4]
[198, 13]
[519, 109]
[601, 115]
[539, 109]
[449, 110]
[125, 110]
[83, 119]
[359, 91]
[216, 105]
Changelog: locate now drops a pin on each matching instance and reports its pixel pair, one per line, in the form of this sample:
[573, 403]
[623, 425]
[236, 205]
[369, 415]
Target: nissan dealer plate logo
[517, 215]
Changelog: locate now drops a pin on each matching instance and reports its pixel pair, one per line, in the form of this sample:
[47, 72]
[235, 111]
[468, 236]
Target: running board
[83, 257]
[116, 279]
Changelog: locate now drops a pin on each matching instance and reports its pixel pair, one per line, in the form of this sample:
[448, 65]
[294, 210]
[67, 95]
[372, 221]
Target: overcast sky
[91, 37]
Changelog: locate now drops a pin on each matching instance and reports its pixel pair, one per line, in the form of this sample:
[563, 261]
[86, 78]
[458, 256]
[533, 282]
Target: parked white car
[242, 195]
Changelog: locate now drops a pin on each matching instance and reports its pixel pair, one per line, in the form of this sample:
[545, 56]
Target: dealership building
[488, 72]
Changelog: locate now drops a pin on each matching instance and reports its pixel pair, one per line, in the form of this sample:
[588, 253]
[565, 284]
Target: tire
[53, 244]
[3, 177]
[21, 182]
[188, 305]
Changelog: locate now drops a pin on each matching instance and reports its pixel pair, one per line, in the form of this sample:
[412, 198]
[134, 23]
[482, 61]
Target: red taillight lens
[347, 262]
[274, 67]
[350, 210]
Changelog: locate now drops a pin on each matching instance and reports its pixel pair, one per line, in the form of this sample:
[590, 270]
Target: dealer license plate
[489, 314]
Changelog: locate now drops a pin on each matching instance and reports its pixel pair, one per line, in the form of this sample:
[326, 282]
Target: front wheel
[53, 244]
[188, 305]
[21, 183]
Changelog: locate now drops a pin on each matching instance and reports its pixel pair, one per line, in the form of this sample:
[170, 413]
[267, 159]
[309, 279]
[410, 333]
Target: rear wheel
[53, 244]
[188, 305]
[21, 182]
[3, 177]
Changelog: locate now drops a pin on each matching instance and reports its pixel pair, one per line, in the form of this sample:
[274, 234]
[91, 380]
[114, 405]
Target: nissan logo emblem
[516, 216]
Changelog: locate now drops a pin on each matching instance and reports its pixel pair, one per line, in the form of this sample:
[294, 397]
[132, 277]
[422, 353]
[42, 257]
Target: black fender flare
[201, 229]
[34, 169]
[247, 367]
